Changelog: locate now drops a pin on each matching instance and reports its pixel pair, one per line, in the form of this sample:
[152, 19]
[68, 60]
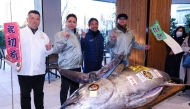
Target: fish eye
[93, 87]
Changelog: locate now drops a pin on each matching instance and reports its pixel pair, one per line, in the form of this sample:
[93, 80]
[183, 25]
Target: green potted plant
[187, 22]
[172, 26]
[2, 39]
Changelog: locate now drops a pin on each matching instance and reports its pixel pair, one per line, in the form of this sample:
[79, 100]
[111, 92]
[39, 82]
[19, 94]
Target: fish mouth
[155, 91]
[64, 106]
[70, 102]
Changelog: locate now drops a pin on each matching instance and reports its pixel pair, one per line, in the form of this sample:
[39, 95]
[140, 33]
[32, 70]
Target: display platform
[167, 92]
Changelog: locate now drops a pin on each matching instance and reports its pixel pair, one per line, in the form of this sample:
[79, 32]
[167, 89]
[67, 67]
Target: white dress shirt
[33, 52]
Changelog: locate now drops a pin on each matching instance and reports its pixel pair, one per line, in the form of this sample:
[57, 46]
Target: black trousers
[92, 66]
[66, 84]
[27, 83]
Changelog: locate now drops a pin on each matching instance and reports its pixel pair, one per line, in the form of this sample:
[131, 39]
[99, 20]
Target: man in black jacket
[92, 47]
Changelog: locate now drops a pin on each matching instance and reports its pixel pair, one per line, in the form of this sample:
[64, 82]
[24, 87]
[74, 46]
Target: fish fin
[118, 69]
[173, 84]
[94, 75]
[109, 68]
[75, 76]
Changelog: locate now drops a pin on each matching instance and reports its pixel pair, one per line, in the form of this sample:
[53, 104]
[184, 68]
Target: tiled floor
[51, 92]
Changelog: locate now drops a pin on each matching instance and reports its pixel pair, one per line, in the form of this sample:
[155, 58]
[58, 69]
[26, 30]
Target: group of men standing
[70, 47]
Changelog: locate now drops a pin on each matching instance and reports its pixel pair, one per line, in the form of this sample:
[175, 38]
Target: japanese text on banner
[12, 38]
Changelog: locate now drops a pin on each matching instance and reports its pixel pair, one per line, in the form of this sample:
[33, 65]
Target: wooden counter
[165, 94]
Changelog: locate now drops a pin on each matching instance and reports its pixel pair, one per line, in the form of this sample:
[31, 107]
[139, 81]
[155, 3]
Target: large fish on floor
[115, 87]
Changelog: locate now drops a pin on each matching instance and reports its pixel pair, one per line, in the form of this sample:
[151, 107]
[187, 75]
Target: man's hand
[147, 47]
[83, 34]
[113, 36]
[171, 52]
[48, 46]
[66, 34]
[7, 57]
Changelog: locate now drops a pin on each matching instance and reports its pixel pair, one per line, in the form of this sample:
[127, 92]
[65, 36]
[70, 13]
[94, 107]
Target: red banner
[12, 39]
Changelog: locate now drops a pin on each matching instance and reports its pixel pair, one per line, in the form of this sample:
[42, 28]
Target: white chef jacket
[33, 52]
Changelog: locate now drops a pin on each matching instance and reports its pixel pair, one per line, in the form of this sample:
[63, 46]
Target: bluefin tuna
[115, 86]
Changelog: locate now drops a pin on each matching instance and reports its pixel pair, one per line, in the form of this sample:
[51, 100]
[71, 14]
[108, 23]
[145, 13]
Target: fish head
[150, 84]
[90, 96]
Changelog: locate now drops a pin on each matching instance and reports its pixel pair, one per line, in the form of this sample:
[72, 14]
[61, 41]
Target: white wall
[51, 17]
[173, 1]
[38, 7]
[180, 1]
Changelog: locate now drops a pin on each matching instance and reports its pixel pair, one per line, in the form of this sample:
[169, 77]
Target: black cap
[122, 15]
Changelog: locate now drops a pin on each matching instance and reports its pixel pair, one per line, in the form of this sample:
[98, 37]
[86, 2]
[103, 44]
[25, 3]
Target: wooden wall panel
[159, 10]
[142, 14]
[137, 13]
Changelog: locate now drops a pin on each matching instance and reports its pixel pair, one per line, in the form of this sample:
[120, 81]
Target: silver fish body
[125, 88]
